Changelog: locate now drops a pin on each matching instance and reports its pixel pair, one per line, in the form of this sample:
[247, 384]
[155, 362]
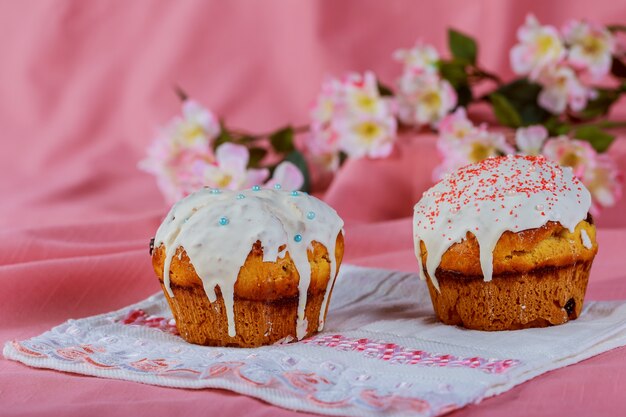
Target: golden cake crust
[257, 280]
[258, 323]
[548, 246]
[540, 278]
[265, 301]
[540, 298]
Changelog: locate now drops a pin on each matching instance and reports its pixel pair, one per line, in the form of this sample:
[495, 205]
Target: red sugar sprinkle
[502, 181]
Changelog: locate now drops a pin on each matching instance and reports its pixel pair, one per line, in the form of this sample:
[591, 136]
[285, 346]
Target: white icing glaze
[511, 193]
[585, 238]
[218, 248]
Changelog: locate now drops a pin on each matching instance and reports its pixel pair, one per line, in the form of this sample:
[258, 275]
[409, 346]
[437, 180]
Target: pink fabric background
[82, 85]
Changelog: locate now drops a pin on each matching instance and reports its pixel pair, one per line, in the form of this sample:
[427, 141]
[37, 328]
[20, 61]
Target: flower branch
[553, 108]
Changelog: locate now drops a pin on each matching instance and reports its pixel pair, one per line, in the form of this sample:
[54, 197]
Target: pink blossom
[229, 171]
[197, 128]
[349, 115]
[172, 166]
[456, 126]
[590, 47]
[539, 46]
[484, 144]
[424, 99]
[373, 137]
[529, 140]
[183, 144]
[604, 181]
[422, 58]
[288, 176]
[562, 88]
[362, 97]
[423, 96]
[450, 162]
[323, 147]
[619, 39]
[481, 144]
[329, 100]
[577, 154]
[598, 172]
[181, 172]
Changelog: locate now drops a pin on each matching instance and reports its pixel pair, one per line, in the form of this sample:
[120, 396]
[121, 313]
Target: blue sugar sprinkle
[224, 221]
[310, 215]
[277, 186]
[256, 188]
[240, 196]
[297, 238]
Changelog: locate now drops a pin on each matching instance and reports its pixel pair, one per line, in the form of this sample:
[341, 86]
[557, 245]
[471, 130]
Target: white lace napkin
[382, 351]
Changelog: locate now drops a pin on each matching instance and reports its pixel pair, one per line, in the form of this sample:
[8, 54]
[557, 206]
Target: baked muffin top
[218, 228]
[506, 194]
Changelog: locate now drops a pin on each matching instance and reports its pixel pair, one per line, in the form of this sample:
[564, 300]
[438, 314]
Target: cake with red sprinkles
[506, 243]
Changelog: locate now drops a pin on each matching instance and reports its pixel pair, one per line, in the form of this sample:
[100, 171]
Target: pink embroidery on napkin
[394, 353]
[308, 385]
[84, 353]
[385, 402]
[304, 384]
[389, 352]
[28, 352]
[141, 318]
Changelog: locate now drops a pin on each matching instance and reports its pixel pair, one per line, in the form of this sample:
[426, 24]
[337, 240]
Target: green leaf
[245, 139]
[464, 95]
[297, 158]
[600, 105]
[223, 137]
[462, 46]
[504, 111]
[556, 127]
[454, 72]
[523, 96]
[563, 130]
[282, 140]
[384, 90]
[599, 139]
[256, 155]
[618, 68]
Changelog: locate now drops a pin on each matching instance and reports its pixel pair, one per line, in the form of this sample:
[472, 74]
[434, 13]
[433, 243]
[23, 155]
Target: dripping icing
[585, 239]
[512, 193]
[218, 248]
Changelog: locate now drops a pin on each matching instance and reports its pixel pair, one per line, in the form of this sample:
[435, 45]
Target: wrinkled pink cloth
[83, 85]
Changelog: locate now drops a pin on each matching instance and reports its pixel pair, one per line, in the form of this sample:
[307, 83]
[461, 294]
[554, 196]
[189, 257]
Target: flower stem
[258, 136]
[616, 28]
[180, 93]
[605, 124]
[301, 129]
[484, 74]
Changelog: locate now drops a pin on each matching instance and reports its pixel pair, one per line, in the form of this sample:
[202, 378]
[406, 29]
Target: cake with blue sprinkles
[248, 268]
